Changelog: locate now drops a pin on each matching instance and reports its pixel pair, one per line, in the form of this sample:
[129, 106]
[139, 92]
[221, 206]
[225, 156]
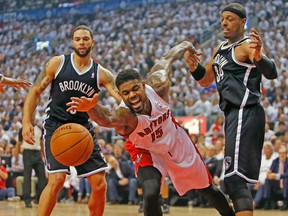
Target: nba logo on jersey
[138, 158]
[92, 75]
[228, 161]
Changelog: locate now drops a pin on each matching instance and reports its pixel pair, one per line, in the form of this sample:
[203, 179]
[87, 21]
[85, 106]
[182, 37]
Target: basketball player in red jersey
[148, 123]
[237, 66]
[15, 83]
[70, 75]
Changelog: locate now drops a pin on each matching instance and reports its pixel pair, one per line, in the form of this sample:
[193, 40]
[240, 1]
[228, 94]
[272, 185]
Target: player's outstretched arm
[15, 83]
[120, 118]
[161, 72]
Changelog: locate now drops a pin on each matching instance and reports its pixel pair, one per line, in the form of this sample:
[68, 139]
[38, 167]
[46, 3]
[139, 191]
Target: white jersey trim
[98, 76]
[60, 66]
[241, 63]
[75, 68]
[235, 172]
[94, 172]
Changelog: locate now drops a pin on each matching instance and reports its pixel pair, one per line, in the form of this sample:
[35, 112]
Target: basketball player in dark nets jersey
[146, 121]
[237, 66]
[70, 75]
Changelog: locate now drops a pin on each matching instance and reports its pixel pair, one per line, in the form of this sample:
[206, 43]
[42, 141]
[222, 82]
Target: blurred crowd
[136, 39]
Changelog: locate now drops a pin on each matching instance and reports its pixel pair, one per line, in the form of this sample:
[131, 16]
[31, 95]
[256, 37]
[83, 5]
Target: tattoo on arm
[40, 81]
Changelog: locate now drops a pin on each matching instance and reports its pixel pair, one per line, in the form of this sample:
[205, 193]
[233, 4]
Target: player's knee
[56, 181]
[101, 187]
[98, 183]
[151, 190]
[239, 193]
[151, 195]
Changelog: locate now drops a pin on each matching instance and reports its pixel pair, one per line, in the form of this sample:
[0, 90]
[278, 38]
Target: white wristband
[1, 78]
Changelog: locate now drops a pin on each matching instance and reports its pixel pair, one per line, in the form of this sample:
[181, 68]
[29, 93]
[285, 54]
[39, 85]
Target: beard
[82, 54]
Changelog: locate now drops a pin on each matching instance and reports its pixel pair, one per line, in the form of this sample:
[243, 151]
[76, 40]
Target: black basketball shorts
[244, 137]
[96, 163]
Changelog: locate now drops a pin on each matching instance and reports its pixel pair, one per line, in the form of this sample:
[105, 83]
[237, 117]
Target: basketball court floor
[72, 209]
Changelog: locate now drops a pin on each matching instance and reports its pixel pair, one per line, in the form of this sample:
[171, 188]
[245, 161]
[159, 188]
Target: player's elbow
[271, 76]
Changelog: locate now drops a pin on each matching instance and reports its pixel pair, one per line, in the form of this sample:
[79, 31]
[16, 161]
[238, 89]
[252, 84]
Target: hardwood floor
[74, 209]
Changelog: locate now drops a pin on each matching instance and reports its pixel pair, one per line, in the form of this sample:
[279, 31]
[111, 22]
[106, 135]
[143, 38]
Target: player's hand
[192, 59]
[15, 83]
[82, 104]
[256, 44]
[28, 133]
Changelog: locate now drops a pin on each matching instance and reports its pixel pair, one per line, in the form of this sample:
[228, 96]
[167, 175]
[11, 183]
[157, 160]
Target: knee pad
[239, 193]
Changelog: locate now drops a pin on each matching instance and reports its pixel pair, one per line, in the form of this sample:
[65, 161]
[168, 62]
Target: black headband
[235, 11]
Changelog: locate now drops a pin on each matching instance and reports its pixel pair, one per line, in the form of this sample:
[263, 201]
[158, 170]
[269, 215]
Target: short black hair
[127, 75]
[237, 9]
[82, 27]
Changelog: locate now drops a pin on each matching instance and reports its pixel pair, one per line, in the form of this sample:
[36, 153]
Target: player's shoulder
[55, 61]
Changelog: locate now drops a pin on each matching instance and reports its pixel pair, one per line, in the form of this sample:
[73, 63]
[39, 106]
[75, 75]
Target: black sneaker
[140, 210]
[28, 205]
[166, 209]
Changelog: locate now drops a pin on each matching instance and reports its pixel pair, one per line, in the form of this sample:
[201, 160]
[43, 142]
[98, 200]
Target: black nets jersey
[238, 83]
[69, 82]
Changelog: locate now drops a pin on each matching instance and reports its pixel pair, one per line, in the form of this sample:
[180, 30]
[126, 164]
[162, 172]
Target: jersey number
[219, 73]
[157, 134]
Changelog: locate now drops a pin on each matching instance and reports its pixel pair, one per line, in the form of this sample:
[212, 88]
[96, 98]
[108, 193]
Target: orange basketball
[71, 144]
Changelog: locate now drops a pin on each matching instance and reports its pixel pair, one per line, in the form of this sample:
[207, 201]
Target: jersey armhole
[97, 74]
[60, 66]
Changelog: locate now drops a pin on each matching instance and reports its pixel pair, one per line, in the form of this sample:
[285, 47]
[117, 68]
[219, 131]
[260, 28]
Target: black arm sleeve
[266, 67]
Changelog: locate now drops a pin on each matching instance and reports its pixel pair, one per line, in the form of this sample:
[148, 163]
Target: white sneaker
[14, 199]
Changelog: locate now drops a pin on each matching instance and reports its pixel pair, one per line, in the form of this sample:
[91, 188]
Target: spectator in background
[268, 132]
[212, 164]
[270, 110]
[276, 144]
[282, 128]
[258, 189]
[71, 183]
[121, 180]
[277, 181]
[6, 193]
[203, 106]
[16, 161]
[118, 152]
[188, 107]
[84, 189]
[177, 106]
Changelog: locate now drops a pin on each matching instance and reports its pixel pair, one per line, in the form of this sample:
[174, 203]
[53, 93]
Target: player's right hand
[82, 104]
[192, 59]
[28, 133]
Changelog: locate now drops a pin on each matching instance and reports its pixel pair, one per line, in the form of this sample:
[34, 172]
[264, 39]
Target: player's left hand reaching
[256, 44]
[82, 104]
[15, 83]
